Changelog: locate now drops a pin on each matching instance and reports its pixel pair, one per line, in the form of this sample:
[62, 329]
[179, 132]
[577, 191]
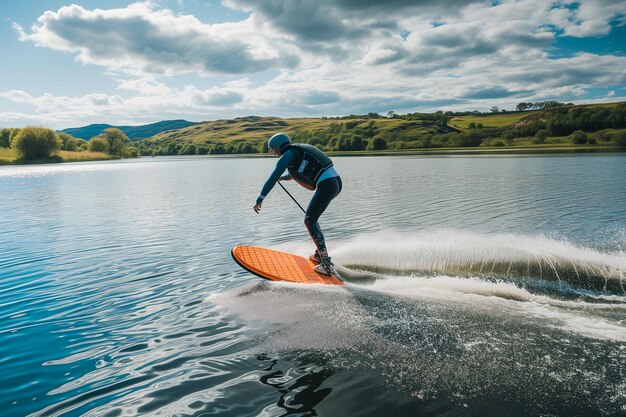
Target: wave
[473, 254]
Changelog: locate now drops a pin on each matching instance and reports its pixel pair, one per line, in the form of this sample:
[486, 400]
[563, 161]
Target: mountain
[133, 132]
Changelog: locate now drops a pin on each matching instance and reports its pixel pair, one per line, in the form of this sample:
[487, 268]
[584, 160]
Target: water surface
[477, 285]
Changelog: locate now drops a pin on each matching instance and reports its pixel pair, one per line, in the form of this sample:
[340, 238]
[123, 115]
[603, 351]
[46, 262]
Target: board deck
[280, 266]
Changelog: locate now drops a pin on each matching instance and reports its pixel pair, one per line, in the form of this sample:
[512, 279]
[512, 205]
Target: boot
[315, 258]
[326, 266]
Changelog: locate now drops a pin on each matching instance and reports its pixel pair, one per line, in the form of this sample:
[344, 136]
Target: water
[477, 285]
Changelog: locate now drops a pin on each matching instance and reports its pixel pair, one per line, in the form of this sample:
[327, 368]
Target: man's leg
[326, 191]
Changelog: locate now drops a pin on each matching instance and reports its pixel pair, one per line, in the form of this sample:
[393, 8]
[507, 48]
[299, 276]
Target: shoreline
[404, 152]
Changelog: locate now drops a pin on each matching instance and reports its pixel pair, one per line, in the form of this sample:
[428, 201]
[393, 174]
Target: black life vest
[309, 163]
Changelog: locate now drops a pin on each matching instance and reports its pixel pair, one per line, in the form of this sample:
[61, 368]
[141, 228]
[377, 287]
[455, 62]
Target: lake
[476, 285]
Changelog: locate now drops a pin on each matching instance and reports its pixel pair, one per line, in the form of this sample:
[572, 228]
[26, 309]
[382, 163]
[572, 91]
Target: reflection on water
[481, 285]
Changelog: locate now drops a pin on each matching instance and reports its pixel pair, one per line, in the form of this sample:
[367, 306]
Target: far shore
[570, 149]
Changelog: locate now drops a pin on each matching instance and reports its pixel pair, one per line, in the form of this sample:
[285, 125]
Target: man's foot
[325, 269]
[315, 258]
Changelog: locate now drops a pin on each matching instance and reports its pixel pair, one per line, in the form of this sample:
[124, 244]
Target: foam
[459, 252]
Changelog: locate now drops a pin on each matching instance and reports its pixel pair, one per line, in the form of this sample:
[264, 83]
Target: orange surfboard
[280, 266]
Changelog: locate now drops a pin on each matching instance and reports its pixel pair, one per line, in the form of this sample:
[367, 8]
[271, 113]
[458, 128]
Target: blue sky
[128, 62]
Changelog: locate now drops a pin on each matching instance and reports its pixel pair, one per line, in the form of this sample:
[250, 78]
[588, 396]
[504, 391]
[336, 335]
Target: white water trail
[446, 249]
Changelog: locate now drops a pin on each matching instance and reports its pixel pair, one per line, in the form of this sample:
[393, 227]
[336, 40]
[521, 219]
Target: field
[490, 120]
[70, 156]
[8, 156]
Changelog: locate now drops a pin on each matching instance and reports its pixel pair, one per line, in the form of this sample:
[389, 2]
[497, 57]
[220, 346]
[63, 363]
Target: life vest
[308, 165]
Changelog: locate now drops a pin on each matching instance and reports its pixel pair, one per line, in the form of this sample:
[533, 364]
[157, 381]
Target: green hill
[254, 128]
[593, 125]
[249, 134]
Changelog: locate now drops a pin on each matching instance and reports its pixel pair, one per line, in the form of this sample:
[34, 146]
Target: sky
[68, 64]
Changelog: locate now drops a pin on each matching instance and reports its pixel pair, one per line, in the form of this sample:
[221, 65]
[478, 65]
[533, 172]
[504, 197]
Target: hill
[566, 125]
[256, 130]
[133, 132]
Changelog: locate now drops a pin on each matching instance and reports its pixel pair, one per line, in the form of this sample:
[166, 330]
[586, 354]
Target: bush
[619, 138]
[98, 145]
[35, 142]
[578, 137]
[378, 144]
[131, 152]
[541, 136]
[217, 149]
[604, 135]
[68, 142]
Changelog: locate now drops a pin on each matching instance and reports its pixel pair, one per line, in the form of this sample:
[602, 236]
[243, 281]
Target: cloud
[218, 97]
[335, 20]
[320, 97]
[331, 57]
[142, 40]
[17, 96]
[490, 92]
[593, 17]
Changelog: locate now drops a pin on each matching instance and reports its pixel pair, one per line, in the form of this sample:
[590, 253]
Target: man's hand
[257, 208]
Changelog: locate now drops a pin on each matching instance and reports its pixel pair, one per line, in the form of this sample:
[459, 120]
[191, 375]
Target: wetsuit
[327, 186]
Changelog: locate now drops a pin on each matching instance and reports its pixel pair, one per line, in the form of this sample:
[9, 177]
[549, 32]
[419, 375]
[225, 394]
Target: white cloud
[592, 17]
[327, 58]
[142, 40]
[17, 96]
[147, 85]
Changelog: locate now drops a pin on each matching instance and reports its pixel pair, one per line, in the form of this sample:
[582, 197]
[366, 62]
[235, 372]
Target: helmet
[279, 141]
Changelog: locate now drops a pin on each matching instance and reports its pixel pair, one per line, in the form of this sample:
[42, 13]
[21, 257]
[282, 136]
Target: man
[312, 169]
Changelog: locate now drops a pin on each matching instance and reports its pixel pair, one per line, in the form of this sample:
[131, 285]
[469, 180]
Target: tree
[357, 144]
[98, 144]
[35, 142]
[217, 149]
[5, 138]
[495, 109]
[578, 137]
[116, 139]
[378, 144]
[68, 142]
[131, 152]
[619, 138]
[541, 136]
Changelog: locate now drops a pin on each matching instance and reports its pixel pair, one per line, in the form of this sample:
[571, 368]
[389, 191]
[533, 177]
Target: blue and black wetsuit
[312, 169]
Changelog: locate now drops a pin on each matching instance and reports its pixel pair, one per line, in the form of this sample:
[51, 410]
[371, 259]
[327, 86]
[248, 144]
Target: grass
[9, 157]
[490, 120]
[256, 129]
[72, 156]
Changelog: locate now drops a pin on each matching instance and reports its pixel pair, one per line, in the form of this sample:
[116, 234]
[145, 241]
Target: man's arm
[281, 166]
